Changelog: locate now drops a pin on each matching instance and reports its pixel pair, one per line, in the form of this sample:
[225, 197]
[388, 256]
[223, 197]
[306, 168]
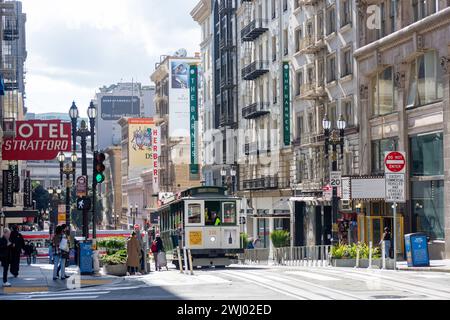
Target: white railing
[308, 256]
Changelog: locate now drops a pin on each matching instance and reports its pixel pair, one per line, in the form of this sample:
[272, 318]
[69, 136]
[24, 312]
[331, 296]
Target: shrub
[119, 257]
[345, 251]
[112, 245]
[280, 238]
[244, 240]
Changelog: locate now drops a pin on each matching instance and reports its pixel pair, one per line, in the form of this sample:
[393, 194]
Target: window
[392, 13]
[331, 68]
[274, 9]
[274, 90]
[298, 36]
[425, 80]
[194, 213]
[427, 155]
[311, 123]
[229, 213]
[346, 59]
[299, 170]
[427, 205]
[282, 224]
[320, 24]
[274, 48]
[423, 8]
[285, 42]
[379, 147]
[285, 5]
[347, 112]
[331, 20]
[299, 127]
[346, 12]
[382, 30]
[332, 114]
[299, 81]
[383, 92]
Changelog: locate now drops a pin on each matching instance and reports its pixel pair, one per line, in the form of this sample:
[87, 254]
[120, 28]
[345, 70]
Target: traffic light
[99, 167]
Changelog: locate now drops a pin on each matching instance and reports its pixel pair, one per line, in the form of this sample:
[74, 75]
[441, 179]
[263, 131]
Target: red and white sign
[327, 192]
[395, 162]
[156, 143]
[38, 140]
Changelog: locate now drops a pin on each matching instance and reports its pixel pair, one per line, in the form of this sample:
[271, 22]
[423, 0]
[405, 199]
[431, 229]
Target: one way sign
[84, 203]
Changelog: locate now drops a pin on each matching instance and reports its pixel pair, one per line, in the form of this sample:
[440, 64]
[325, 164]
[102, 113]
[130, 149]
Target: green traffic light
[99, 178]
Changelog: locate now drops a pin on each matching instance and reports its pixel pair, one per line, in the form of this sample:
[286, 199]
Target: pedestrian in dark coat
[6, 252]
[133, 253]
[18, 242]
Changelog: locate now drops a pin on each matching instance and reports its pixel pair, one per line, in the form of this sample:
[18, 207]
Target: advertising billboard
[116, 107]
[179, 98]
[140, 145]
[38, 140]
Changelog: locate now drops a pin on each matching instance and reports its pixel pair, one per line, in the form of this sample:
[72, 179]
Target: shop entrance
[371, 228]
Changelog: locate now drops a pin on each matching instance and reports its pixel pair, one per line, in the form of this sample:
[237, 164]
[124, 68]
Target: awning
[21, 214]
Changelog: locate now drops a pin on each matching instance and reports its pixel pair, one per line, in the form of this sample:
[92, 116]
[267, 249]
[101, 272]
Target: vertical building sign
[27, 193]
[286, 105]
[155, 161]
[140, 145]
[179, 98]
[193, 102]
[8, 192]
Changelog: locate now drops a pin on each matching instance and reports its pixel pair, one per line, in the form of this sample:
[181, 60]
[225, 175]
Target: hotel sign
[286, 105]
[193, 116]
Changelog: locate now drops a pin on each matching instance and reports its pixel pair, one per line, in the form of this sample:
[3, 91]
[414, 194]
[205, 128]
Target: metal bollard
[383, 254]
[180, 264]
[370, 255]
[185, 260]
[357, 258]
[190, 262]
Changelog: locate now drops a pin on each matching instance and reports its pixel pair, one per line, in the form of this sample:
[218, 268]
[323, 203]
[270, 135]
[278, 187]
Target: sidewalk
[435, 265]
[39, 278]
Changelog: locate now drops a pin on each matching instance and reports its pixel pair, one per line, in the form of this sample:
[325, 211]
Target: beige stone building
[403, 96]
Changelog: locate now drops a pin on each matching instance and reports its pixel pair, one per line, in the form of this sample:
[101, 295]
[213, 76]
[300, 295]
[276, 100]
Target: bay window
[383, 92]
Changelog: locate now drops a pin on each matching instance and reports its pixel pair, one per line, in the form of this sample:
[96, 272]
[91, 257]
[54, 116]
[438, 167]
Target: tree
[41, 196]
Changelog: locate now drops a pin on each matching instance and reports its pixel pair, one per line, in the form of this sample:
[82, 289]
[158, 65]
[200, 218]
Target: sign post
[394, 168]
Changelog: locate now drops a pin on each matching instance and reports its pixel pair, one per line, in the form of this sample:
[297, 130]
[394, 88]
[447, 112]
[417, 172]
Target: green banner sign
[286, 105]
[193, 103]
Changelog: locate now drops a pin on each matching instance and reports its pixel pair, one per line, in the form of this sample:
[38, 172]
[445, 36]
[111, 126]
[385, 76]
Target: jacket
[133, 252]
[159, 245]
[55, 244]
[17, 238]
[5, 251]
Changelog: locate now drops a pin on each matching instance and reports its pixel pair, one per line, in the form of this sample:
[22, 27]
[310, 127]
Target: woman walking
[133, 254]
[6, 253]
[59, 246]
[386, 239]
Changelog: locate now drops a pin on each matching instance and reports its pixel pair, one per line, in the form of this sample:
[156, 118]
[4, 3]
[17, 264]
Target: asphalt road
[265, 283]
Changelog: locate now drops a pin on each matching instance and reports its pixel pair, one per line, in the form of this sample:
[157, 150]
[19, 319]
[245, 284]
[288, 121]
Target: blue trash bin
[85, 255]
[416, 248]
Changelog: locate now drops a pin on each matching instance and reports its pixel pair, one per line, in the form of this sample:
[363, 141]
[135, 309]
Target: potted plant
[280, 238]
[344, 255]
[115, 260]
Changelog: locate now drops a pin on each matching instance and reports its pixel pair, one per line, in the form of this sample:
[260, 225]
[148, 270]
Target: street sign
[395, 187]
[82, 186]
[394, 162]
[327, 192]
[346, 189]
[335, 178]
[84, 203]
[27, 193]
[8, 192]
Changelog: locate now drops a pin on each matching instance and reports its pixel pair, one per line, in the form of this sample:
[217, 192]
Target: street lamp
[223, 173]
[134, 214]
[334, 140]
[83, 132]
[68, 171]
[233, 178]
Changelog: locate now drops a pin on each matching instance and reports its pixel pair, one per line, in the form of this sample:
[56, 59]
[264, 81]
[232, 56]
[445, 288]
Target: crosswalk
[299, 283]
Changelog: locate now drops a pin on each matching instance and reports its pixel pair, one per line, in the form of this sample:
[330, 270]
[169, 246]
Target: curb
[426, 269]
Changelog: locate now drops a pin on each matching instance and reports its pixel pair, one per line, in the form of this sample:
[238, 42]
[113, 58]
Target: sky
[77, 46]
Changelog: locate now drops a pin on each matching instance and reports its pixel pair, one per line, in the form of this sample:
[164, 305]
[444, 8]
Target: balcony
[261, 183]
[311, 44]
[255, 110]
[10, 33]
[257, 148]
[312, 90]
[226, 6]
[226, 83]
[226, 120]
[255, 70]
[254, 29]
[307, 2]
[226, 44]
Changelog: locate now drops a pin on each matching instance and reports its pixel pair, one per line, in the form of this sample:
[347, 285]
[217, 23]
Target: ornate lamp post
[134, 213]
[333, 139]
[68, 171]
[223, 173]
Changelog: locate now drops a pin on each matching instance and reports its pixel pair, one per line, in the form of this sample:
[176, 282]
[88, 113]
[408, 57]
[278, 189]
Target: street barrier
[308, 256]
[255, 256]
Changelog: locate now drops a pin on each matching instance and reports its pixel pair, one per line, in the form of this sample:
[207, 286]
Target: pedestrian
[154, 249]
[18, 242]
[133, 254]
[160, 253]
[141, 244]
[6, 252]
[250, 244]
[256, 243]
[64, 254]
[60, 245]
[386, 239]
[33, 252]
[28, 251]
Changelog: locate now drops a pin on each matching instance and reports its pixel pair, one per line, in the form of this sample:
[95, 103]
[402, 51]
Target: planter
[363, 263]
[115, 270]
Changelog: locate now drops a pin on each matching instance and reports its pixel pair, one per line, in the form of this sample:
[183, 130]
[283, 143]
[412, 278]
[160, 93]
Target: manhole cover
[388, 297]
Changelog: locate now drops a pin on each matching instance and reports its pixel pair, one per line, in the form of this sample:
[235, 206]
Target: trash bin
[84, 255]
[416, 248]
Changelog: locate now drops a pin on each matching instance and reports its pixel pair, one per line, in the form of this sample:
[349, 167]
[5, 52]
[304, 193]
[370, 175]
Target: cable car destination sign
[38, 140]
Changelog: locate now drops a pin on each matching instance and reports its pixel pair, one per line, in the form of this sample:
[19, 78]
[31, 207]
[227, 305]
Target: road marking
[13, 290]
[69, 298]
[314, 276]
[90, 282]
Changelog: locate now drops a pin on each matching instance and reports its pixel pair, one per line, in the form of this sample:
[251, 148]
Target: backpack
[154, 247]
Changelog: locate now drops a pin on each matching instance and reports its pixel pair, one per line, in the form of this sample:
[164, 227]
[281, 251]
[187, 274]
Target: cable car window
[212, 213]
[194, 213]
[229, 213]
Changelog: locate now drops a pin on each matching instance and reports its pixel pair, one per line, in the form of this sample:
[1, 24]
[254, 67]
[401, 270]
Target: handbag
[64, 245]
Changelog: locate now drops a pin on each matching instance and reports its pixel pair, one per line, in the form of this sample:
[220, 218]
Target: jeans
[59, 261]
[34, 259]
[387, 248]
[5, 272]
[132, 270]
[28, 260]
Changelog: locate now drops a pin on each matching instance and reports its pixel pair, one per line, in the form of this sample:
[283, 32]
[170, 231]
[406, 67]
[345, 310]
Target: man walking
[18, 245]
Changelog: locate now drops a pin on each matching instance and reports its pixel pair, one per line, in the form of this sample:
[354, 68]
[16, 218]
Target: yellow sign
[61, 218]
[195, 238]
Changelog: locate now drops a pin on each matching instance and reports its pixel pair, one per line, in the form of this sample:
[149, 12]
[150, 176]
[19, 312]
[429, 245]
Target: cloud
[80, 45]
